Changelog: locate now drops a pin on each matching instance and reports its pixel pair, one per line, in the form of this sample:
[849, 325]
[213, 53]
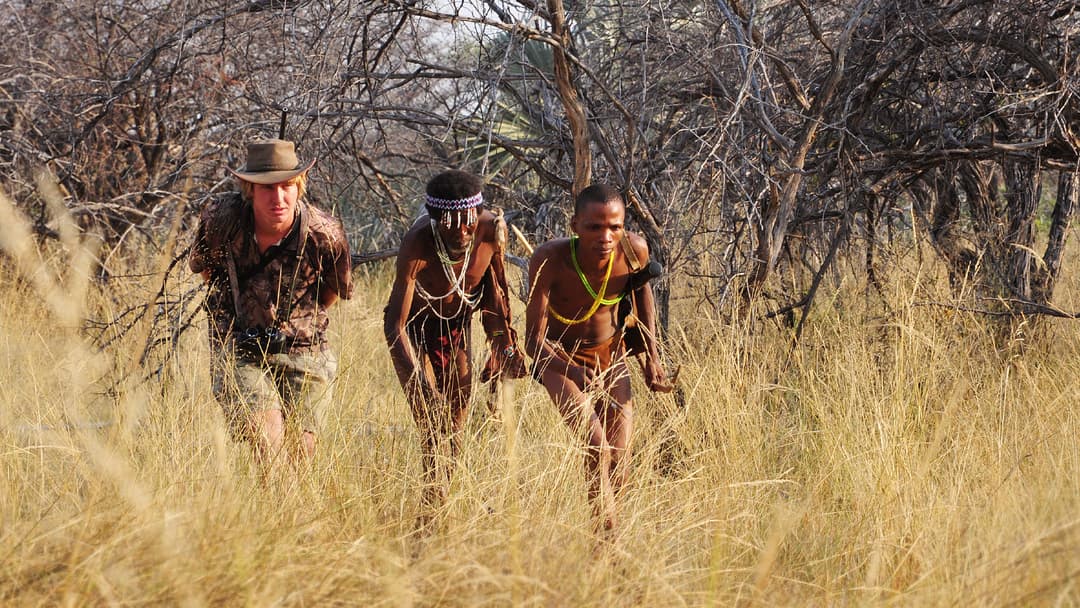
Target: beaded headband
[456, 204]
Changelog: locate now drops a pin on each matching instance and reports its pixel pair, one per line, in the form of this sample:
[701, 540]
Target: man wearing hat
[273, 263]
[450, 264]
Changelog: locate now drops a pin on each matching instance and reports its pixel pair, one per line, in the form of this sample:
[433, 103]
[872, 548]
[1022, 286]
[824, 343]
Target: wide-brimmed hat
[271, 161]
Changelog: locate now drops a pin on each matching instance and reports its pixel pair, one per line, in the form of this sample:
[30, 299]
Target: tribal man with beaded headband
[449, 265]
[575, 335]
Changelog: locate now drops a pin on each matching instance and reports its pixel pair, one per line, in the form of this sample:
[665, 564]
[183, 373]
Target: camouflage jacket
[279, 288]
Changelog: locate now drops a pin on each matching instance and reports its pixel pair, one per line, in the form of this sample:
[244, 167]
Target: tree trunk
[571, 101]
[943, 228]
[1022, 180]
[1059, 231]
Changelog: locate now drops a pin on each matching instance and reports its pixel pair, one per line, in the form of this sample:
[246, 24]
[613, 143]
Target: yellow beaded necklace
[598, 297]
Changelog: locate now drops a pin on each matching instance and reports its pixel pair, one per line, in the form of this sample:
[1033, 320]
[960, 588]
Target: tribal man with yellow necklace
[575, 336]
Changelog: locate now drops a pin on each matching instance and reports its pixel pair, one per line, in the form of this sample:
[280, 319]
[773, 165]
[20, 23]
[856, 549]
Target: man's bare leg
[459, 392]
[427, 425]
[266, 428]
[302, 458]
[424, 406]
[575, 406]
[613, 409]
[618, 420]
[492, 397]
[307, 445]
[618, 426]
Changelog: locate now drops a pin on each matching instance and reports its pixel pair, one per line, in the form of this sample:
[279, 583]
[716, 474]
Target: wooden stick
[521, 237]
[372, 256]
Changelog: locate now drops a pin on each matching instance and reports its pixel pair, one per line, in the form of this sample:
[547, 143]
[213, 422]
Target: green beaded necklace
[585, 280]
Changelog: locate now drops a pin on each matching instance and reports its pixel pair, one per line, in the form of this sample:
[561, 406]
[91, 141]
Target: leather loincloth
[596, 356]
[440, 339]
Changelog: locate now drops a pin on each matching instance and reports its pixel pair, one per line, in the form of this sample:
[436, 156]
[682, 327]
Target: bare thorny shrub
[763, 147]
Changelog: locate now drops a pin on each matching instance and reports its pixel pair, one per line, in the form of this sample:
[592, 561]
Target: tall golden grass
[911, 458]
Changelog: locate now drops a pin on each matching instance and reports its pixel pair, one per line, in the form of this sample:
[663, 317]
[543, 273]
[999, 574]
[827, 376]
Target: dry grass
[904, 459]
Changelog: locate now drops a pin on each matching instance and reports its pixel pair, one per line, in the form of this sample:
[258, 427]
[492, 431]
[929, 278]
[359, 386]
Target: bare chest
[451, 288]
[586, 299]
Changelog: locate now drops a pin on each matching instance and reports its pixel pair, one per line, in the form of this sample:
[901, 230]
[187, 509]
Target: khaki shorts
[300, 385]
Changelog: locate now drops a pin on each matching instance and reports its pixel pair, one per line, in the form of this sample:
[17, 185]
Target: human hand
[656, 379]
[506, 360]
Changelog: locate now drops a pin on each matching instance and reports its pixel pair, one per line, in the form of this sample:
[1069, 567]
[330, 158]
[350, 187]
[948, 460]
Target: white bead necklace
[456, 281]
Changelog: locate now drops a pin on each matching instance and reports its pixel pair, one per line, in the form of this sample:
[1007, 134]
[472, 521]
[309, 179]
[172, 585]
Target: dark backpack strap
[627, 311]
[234, 284]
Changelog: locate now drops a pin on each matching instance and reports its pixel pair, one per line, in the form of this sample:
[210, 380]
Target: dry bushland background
[766, 148]
[863, 207]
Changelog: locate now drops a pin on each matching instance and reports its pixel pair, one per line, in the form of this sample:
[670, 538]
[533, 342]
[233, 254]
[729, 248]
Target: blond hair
[247, 189]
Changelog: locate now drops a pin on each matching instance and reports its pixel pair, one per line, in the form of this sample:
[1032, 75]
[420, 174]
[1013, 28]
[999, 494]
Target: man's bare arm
[337, 278]
[406, 362]
[197, 256]
[536, 312]
[540, 349]
[495, 316]
[495, 301]
[327, 296]
[655, 377]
